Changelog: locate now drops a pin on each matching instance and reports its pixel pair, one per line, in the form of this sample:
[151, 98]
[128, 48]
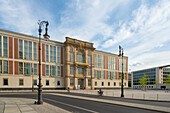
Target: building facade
[156, 77]
[74, 64]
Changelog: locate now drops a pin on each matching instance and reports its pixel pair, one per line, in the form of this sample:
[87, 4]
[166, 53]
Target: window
[114, 83]
[58, 83]
[89, 82]
[0, 66]
[20, 49]
[71, 49]
[71, 82]
[52, 53]
[108, 74]
[27, 68]
[28, 50]
[108, 83]
[115, 75]
[5, 45]
[111, 75]
[99, 74]
[103, 74]
[0, 46]
[58, 54]
[35, 69]
[119, 83]
[35, 51]
[95, 57]
[89, 71]
[95, 83]
[53, 70]
[102, 83]
[58, 71]
[20, 67]
[46, 53]
[80, 57]
[5, 66]
[95, 73]
[80, 71]
[5, 81]
[89, 59]
[47, 83]
[21, 82]
[47, 70]
[35, 82]
[71, 69]
[71, 57]
[125, 83]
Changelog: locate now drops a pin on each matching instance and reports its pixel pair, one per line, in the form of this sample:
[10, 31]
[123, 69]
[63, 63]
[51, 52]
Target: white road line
[72, 106]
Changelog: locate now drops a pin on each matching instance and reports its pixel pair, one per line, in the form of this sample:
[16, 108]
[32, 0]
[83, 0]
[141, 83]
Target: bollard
[144, 96]
[157, 97]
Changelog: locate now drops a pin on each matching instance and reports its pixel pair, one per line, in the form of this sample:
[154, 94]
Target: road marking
[72, 106]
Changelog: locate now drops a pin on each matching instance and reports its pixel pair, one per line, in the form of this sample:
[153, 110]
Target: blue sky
[141, 27]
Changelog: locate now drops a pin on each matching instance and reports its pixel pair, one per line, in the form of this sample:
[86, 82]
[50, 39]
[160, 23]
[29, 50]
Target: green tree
[143, 81]
[167, 80]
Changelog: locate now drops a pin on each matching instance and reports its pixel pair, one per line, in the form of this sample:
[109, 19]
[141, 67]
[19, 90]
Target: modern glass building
[75, 64]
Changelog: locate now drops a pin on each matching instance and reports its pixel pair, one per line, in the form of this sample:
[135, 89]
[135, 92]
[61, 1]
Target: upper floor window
[5, 45]
[89, 71]
[81, 71]
[71, 57]
[58, 71]
[71, 49]
[47, 70]
[89, 59]
[80, 57]
[71, 69]
[27, 68]
[20, 49]
[58, 54]
[28, 50]
[20, 67]
[5, 66]
[35, 51]
[52, 53]
[89, 52]
[35, 69]
[47, 53]
[0, 46]
[53, 70]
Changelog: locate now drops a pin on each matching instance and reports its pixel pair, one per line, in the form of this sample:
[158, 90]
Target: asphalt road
[79, 105]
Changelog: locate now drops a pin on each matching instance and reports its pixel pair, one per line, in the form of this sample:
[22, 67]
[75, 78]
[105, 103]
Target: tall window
[47, 83]
[89, 59]
[5, 66]
[35, 82]
[95, 57]
[80, 71]
[103, 74]
[5, 45]
[20, 67]
[89, 71]
[71, 57]
[47, 70]
[28, 50]
[52, 53]
[53, 70]
[35, 51]
[47, 53]
[0, 66]
[27, 68]
[111, 75]
[21, 82]
[35, 69]
[99, 61]
[115, 75]
[95, 73]
[108, 74]
[58, 71]
[89, 82]
[80, 57]
[0, 46]
[20, 49]
[71, 69]
[71, 82]
[58, 54]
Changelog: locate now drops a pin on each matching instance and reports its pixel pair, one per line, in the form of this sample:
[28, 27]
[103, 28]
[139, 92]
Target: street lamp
[46, 36]
[121, 54]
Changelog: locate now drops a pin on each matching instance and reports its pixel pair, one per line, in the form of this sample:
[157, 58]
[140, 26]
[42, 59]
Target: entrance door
[80, 83]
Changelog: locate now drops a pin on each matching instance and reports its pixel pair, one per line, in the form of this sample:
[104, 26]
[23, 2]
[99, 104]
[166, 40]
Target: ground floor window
[89, 82]
[5, 81]
[71, 82]
[125, 83]
[114, 83]
[47, 83]
[58, 83]
[108, 83]
[35, 82]
[21, 82]
[27, 68]
[102, 83]
[5, 66]
[95, 83]
[119, 83]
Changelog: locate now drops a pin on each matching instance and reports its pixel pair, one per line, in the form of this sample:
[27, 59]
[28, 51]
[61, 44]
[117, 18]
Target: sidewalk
[22, 105]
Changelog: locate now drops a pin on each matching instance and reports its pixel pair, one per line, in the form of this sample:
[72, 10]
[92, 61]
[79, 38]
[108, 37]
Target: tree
[167, 80]
[143, 80]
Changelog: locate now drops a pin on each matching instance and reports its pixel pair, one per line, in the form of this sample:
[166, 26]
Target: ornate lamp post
[46, 36]
[121, 54]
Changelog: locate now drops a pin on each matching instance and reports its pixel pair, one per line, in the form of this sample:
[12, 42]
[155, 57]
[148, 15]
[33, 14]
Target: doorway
[80, 83]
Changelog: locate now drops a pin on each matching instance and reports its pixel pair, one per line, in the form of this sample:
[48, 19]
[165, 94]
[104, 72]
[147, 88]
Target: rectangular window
[81, 71]
[5, 81]
[20, 67]
[53, 70]
[108, 83]
[47, 70]
[114, 83]
[35, 82]
[71, 82]
[58, 71]
[35, 51]
[52, 53]
[21, 82]
[58, 83]
[115, 75]
[111, 75]
[99, 61]
[71, 57]
[103, 74]
[120, 83]
[89, 82]
[95, 73]
[35, 69]
[99, 74]
[95, 83]
[0, 66]
[102, 83]
[108, 74]
[89, 71]
[47, 83]
[20, 49]
[0, 46]
[46, 53]
[80, 58]
[95, 57]
[89, 59]
[71, 69]
[58, 54]
[102, 61]
[28, 50]
[5, 66]
[5, 45]
[27, 68]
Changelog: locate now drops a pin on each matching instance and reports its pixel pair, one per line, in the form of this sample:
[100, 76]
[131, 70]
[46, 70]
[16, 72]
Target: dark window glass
[5, 81]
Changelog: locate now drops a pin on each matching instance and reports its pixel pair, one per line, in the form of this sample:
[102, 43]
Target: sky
[141, 27]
